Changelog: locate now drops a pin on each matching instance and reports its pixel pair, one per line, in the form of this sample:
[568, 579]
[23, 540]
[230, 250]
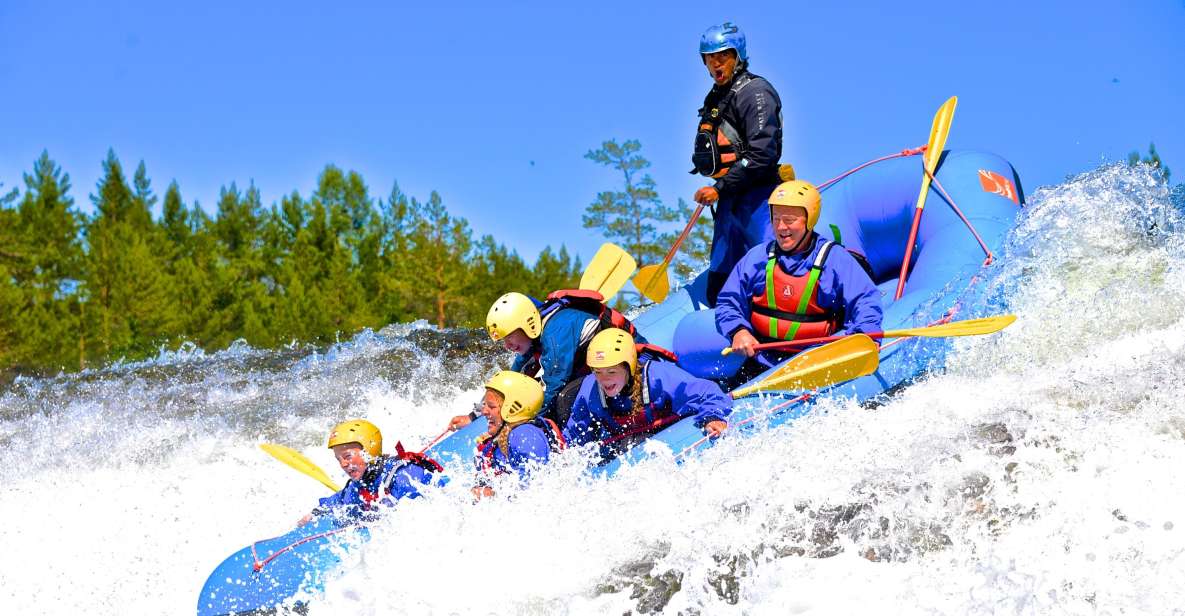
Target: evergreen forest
[142, 272]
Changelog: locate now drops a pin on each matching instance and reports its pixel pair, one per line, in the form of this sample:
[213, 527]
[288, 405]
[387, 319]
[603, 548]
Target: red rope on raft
[435, 440]
[260, 564]
[767, 413]
[901, 154]
[951, 202]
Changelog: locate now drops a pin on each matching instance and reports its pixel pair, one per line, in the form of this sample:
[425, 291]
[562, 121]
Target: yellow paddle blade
[938, 133]
[839, 361]
[296, 460]
[608, 271]
[970, 327]
[652, 282]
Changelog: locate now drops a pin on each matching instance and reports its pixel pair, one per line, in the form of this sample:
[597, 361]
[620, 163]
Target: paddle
[652, 280]
[298, 461]
[608, 271]
[970, 327]
[842, 360]
[938, 133]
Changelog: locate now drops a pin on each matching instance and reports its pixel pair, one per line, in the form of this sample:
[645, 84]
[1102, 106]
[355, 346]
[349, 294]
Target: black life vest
[718, 144]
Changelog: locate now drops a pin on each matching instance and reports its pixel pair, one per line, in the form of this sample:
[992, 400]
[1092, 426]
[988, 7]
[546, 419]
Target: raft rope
[435, 440]
[902, 154]
[970, 227]
[942, 191]
[258, 565]
[767, 413]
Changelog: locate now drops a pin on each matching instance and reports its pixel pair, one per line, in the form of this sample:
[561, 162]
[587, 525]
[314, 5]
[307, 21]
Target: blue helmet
[724, 36]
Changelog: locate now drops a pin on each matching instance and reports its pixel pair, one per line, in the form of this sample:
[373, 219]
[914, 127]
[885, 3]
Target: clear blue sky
[494, 104]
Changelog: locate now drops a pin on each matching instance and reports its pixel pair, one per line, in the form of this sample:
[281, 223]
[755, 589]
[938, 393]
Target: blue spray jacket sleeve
[846, 286]
[735, 301]
[528, 444]
[686, 395]
[582, 426]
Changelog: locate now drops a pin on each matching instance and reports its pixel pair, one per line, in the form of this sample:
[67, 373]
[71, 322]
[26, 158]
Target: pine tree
[555, 271]
[10, 295]
[440, 258]
[189, 261]
[127, 291]
[495, 271]
[345, 200]
[392, 279]
[1153, 159]
[628, 217]
[52, 268]
[240, 303]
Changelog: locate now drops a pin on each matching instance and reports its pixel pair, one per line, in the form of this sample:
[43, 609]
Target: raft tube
[869, 212]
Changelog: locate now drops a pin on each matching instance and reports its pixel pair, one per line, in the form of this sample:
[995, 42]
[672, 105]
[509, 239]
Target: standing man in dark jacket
[739, 143]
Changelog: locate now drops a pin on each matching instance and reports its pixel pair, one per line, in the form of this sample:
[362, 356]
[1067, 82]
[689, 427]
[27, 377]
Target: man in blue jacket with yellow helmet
[738, 143]
[796, 287]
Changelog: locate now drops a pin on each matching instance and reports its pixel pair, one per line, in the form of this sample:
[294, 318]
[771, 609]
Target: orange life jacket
[789, 308]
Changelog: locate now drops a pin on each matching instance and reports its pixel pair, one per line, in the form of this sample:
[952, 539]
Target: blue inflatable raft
[869, 211]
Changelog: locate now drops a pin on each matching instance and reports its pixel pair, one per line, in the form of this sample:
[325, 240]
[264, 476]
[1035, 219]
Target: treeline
[77, 289]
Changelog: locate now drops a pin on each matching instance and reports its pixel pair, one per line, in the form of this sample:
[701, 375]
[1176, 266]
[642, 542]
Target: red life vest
[409, 457]
[789, 308]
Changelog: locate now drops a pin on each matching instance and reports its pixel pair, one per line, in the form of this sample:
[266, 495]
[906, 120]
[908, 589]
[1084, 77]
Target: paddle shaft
[938, 133]
[666, 261]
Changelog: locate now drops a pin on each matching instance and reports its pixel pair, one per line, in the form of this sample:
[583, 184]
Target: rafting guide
[738, 143]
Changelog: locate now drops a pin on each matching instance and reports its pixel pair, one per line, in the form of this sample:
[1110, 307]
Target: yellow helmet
[358, 431]
[797, 193]
[510, 312]
[611, 347]
[522, 396]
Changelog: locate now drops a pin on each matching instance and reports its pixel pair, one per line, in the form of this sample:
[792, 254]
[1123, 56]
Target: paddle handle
[682, 236]
[913, 236]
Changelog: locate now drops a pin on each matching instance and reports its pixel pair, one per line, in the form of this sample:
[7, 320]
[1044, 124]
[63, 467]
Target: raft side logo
[997, 184]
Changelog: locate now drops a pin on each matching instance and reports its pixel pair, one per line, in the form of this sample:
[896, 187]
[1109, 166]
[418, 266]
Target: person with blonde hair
[636, 390]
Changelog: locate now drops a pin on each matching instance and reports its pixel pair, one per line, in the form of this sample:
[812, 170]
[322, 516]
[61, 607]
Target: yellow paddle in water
[298, 461]
[608, 271]
[970, 327]
[842, 360]
[652, 280]
[938, 133]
